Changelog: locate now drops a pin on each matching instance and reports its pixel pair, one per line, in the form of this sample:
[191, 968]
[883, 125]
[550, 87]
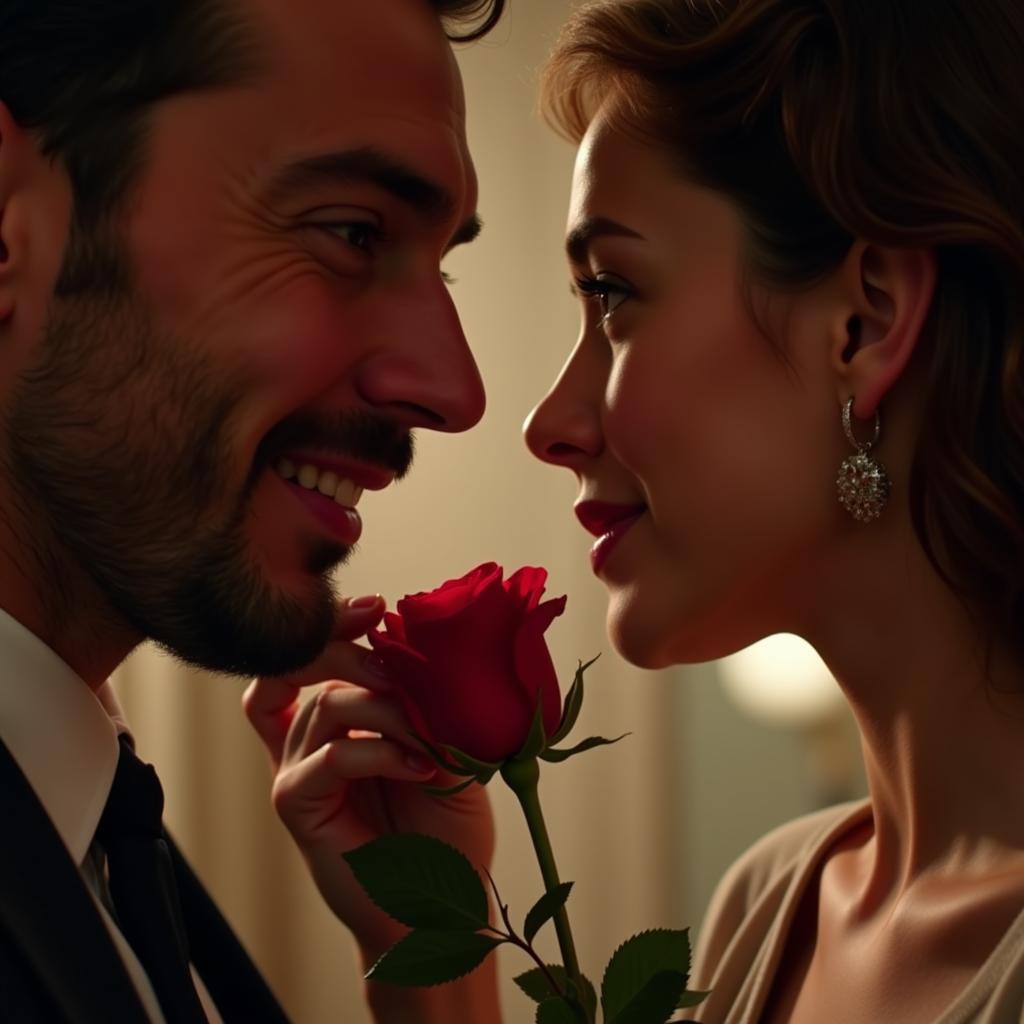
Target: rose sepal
[455, 762]
[553, 756]
[536, 741]
[483, 771]
[448, 790]
[573, 703]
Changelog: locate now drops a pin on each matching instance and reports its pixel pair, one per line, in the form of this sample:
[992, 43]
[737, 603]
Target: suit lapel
[238, 990]
[50, 917]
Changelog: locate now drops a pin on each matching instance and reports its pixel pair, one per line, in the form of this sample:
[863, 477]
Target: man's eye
[609, 292]
[358, 234]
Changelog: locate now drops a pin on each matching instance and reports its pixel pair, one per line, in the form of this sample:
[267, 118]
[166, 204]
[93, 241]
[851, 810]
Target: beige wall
[643, 828]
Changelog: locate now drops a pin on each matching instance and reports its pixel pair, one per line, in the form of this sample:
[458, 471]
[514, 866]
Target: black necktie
[141, 878]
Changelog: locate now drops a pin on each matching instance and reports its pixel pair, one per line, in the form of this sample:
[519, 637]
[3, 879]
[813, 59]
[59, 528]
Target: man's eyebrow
[578, 240]
[366, 166]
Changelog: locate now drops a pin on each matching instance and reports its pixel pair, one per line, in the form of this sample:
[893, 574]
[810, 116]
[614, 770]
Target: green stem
[522, 778]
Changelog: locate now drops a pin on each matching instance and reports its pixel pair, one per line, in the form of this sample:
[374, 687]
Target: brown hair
[896, 121]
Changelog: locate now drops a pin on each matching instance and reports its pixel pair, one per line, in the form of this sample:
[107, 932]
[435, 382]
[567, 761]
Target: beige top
[750, 916]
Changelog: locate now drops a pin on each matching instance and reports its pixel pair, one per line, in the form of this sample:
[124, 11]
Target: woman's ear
[889, 294]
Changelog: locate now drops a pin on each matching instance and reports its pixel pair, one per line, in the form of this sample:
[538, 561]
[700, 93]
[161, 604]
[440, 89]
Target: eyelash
[601, 288]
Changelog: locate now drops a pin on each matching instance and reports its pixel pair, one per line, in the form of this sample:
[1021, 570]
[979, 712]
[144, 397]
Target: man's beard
[120, 462]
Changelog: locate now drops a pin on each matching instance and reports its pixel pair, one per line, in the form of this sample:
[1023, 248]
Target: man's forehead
[371, 45]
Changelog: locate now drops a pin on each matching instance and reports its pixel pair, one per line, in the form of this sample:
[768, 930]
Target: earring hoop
[862, 483]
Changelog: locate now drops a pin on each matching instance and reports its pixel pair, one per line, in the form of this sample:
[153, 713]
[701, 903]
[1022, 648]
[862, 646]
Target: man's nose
[421, 373]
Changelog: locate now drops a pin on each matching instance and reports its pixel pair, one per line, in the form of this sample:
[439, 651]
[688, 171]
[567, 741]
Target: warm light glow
[781, 680]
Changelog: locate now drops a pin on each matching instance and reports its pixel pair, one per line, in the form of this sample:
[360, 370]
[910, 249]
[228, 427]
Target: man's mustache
[362, 437]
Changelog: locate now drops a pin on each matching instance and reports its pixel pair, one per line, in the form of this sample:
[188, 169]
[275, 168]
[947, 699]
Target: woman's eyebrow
[579, 238]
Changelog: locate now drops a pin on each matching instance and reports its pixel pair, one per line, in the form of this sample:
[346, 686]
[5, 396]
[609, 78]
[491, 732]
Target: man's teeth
[343, 491]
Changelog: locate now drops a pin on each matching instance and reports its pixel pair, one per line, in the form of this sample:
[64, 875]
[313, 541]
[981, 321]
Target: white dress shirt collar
[61, 733]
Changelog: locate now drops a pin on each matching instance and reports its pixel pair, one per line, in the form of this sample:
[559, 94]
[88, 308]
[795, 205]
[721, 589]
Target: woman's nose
[565, 427]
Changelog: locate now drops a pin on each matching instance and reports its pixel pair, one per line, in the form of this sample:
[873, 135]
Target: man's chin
[247, 635]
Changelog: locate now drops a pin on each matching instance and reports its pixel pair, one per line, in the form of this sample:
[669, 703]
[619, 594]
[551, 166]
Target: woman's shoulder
[786, 849]
[754, 888]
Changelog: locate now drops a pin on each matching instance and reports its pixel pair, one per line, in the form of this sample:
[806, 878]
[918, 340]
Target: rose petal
[534, 668]
[451, 597]
[391, 648]
[526, 586]
[394, 626]
[489, 615]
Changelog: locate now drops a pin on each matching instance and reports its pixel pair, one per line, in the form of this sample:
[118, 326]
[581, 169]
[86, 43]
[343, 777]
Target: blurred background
[718, 754]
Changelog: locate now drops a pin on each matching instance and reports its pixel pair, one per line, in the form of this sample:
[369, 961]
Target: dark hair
[83, 74]
[824, 121]
[479, 17]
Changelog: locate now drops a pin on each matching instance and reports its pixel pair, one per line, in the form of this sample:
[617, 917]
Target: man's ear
[6, 284]
[35, 209]
[888, 293]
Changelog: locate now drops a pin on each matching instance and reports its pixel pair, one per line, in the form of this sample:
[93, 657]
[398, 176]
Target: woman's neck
[941, 718]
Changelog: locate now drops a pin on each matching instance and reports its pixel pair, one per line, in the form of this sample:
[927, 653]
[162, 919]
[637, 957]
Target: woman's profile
[797, 405]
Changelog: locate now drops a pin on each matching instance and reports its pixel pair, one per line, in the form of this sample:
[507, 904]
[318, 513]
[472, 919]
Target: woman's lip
[601, 517]
[608, 541]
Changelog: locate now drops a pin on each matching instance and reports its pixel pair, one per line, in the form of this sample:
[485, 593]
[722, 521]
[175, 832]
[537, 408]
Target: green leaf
[545, 908]
[654, 1002]
[588, 996]
[557, 756]
[421, 881]
[688, 999]
[557, 1011]
[648, 971]
[536, 985]
[427, 957]
[573, 703]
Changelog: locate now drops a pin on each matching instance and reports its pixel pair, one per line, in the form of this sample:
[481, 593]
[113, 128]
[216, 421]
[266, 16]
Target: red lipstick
[609, 523]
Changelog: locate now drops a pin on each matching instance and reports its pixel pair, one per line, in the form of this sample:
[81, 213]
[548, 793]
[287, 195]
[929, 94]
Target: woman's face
[717, 452]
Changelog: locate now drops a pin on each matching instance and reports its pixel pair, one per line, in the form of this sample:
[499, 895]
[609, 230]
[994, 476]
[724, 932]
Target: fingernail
[420, 763]
[366, 601]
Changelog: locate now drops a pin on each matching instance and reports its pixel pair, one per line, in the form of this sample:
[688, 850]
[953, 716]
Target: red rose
[469, 660]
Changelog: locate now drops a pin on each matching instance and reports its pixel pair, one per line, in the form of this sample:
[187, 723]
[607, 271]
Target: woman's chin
[639, 642]
[653, 642]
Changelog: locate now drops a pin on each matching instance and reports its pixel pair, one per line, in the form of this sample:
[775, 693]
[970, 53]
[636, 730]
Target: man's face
[286, 305]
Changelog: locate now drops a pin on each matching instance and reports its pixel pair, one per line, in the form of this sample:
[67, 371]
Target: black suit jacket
[58, 963]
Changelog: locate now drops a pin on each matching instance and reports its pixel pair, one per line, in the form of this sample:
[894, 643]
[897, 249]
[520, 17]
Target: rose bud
[469, 661]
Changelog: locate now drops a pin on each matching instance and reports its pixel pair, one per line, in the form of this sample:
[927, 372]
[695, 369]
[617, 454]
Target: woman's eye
[608, 292]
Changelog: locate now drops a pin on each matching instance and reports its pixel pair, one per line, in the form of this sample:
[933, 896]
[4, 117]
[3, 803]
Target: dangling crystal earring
[862, 481]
